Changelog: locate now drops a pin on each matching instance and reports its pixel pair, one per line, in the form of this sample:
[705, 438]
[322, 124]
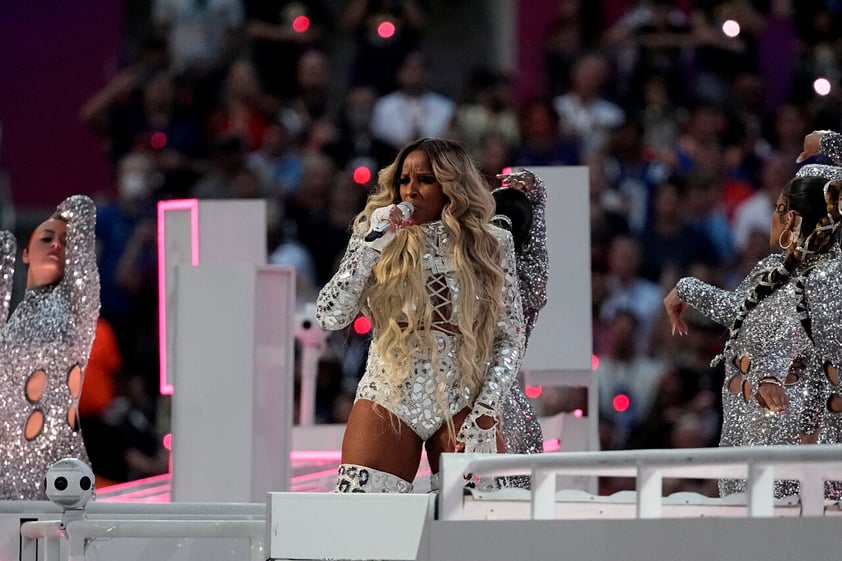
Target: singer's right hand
[396, 219]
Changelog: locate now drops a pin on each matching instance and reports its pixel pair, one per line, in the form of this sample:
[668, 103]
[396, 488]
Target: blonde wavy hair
[398, 278]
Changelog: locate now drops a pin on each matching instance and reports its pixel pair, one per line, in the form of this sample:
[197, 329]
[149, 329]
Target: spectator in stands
[627, 289]
[487, 110]
[144, 109]
[541, 140]
[279, 32]
[243, 109]
[672, 242]
[353, 144]
[628, 381]
[753, 213]
[385, 32]
[414, 110]
[126, 255]
[585, 113]
[201, 36]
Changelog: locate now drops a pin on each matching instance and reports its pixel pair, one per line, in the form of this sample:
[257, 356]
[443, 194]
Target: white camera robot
[70, 483]
[308, 332]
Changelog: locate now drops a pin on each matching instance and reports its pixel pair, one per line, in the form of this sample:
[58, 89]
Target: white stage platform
[511, 524]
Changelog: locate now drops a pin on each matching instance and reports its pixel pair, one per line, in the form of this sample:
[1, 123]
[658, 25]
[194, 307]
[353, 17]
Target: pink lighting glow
[621, 402]
[158, 140]
[552, 445]
[315, 455]
[731, 28]
[301, 24]
[533, 391]
[191, 205]
[386, 29]
[822, 86]
[362, 175]
[362, 325]
[594, 362]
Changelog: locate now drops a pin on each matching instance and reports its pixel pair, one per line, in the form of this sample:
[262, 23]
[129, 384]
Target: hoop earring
[781, 243]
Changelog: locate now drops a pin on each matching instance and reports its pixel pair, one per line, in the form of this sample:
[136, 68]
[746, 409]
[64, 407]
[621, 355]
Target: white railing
[69, 539]
[760, 466]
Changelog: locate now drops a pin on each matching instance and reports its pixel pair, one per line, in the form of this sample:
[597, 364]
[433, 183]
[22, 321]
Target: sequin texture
[50, 330]
[776, 345]
[339, 302]
[519, 422]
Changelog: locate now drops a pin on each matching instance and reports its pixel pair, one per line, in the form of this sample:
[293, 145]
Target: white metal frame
[69, 539]
[760, 466]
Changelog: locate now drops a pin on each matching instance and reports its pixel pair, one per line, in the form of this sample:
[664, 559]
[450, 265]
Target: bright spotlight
[730, 28]
[822, 86]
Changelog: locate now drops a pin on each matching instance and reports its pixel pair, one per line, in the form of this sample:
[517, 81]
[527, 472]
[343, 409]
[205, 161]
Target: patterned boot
[352, 478]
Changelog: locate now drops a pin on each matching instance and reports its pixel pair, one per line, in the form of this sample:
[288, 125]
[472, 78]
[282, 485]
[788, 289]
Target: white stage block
[232, 231]
[232, 406]
[348, 525]
[561, 345]
[561, 340]
[193, 232]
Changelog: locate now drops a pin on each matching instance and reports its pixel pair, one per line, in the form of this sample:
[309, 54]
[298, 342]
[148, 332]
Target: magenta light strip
[191, 205]
[315, 455]
[552, 445]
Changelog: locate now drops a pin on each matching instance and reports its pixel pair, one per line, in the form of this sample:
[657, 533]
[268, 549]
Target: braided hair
[816, 203]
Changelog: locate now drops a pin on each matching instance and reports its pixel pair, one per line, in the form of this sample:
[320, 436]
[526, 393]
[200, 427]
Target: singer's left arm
[506, 357]
[338, 303]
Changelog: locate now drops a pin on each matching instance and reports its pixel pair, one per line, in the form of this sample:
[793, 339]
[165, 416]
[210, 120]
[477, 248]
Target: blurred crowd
[689, 134]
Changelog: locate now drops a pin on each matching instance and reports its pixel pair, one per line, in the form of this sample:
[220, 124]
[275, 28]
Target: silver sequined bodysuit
[831, 431]
[339, 303]
[773, 344]
[519, 424]
[50, 331]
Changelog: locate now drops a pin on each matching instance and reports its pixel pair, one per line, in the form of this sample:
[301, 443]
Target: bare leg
[377, 439]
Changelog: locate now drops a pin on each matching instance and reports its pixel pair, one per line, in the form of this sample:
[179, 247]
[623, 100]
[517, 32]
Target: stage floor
[312, 472]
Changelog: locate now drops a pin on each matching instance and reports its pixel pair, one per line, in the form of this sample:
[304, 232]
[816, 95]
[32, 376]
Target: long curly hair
[400, 306]
[816, 202]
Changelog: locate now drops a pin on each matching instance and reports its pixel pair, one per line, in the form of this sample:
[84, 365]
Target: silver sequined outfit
[50, 330]
[831, 431]
[339, 303]
[773, 339]
[519, 423]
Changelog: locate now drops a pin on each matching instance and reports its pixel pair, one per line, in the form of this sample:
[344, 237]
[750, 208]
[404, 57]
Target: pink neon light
[300, 479]
[553, 445]
[315, 455]
[191, 205]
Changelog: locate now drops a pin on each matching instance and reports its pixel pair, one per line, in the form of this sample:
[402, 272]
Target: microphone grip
[377, 232]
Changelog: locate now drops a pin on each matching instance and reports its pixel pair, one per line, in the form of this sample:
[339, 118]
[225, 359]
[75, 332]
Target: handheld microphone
[377, 232]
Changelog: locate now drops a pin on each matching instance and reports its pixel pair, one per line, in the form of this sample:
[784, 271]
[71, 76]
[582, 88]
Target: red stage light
[533, 391]
[168, 441]
[621, 402]
[158, 140]
[386, 29]
[301, 24]
[594, 362]
[362, 325]
[362, 175]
